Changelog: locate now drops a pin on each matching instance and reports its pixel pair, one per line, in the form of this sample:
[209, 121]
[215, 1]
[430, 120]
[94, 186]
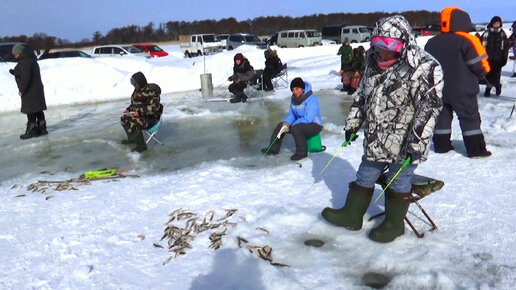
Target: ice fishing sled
[422, 186]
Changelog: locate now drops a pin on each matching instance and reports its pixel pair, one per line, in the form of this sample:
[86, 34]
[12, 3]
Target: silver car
[118, 50]
[235, 40]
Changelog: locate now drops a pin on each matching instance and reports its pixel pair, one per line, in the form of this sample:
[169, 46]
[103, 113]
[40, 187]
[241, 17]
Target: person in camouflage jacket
[143, 113]
[398, 102]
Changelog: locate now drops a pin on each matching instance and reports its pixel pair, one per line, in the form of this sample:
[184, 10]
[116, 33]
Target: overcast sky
[75, 20]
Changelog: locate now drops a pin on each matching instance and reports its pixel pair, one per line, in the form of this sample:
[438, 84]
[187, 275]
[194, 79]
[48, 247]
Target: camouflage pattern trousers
[134, 124]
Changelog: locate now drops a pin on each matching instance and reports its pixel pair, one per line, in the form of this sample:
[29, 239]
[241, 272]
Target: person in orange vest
[464, 62]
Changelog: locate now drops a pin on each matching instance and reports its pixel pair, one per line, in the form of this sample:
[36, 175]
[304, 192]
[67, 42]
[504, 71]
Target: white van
[356, 33]
[299, 38]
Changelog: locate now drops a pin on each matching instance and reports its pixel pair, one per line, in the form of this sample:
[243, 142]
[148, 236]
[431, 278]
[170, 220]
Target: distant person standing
[512, 43]
[357, 67]
[495, 42]
[464, 61]
[346, 53]
[30, 89]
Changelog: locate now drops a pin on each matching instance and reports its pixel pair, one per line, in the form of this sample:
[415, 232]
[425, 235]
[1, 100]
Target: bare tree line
[170, 31]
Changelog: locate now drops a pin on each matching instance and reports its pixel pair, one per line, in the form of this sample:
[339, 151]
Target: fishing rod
[405, 164]
[344, 144]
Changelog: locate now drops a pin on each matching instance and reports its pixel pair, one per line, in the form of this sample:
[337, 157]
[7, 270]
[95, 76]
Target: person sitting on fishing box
[398, 101]
[143, 113]
[303, 120]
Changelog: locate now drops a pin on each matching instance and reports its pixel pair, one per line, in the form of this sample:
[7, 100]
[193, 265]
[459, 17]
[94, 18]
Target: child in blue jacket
[303, 120]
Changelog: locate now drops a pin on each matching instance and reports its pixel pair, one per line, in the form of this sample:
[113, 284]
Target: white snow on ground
[89, 238]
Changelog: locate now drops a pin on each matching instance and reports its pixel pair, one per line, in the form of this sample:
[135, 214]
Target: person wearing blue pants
[398, 101]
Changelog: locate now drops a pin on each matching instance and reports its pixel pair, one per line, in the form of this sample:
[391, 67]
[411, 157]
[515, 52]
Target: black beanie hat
[297, 83]
[495, 19]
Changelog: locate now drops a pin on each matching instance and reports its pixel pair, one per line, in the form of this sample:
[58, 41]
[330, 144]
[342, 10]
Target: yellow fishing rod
[344, 144]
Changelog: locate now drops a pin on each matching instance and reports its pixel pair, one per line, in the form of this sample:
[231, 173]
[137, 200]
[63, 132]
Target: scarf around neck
[302, 98]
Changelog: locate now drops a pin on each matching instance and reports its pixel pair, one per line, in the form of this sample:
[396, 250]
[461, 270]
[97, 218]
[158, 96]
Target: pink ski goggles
[383, 43]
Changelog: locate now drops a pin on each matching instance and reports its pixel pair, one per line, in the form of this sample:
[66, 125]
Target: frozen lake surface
[194, 130]
[104, 234]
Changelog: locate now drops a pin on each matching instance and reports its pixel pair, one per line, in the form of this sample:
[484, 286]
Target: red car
[421, 31]
[152, 49]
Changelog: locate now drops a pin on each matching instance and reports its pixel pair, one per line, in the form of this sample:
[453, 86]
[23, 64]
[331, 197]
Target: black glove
[414, 156]
[348, 136]
[11, 71]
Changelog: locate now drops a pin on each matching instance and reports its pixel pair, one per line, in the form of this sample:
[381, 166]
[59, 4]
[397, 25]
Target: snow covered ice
[91, 238]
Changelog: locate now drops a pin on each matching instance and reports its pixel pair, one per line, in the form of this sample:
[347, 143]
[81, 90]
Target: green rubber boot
[393, 226]
[140, 142]
[351, 216]
[130, 137]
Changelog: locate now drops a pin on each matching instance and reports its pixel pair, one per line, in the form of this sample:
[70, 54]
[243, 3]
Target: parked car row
[205, 44]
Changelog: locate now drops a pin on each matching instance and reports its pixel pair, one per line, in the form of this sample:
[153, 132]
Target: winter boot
[442, 143]
[140, 142]
[298, 156]
[31, 132]
[487, 93]
[243, 96]
[476, 146]
[351, 215]
[42, 127]
[235, 99]
[498, 89]
[272, 151]
[130, 137]
[393, 226]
